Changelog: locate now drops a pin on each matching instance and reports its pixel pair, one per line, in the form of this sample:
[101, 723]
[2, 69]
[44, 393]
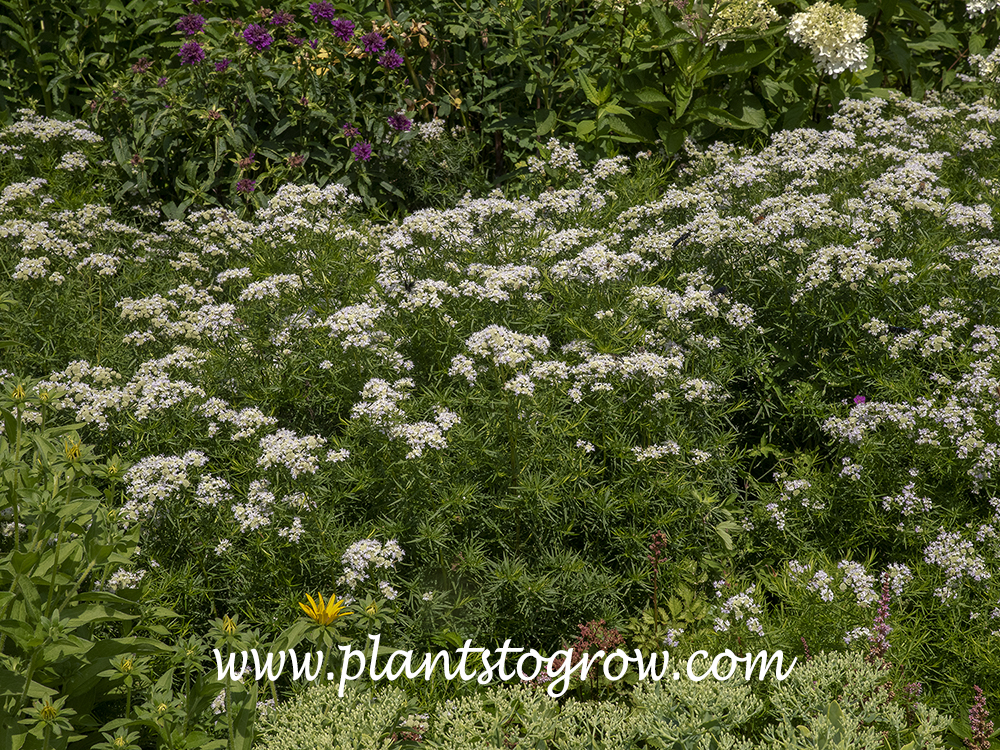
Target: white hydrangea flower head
[979, 7]
[833, 36]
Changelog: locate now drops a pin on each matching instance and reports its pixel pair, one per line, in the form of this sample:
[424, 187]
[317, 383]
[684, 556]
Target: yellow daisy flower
[326, 612]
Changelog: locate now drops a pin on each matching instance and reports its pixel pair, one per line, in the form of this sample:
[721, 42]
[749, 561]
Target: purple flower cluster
[257, 37]
[191, 53]
[342, 29]
[222, 65]
[979, 723]
[362, 151]
[245, 186]
[350, 131]
[391, 60]
[281, 18]
[879, 639]
[322, 11]
[191, 24]
[400, 123]
[373, 42]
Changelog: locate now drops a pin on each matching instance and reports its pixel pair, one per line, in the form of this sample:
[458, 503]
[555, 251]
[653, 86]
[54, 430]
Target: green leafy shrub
[311, 101]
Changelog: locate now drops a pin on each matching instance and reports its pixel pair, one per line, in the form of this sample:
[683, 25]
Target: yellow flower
[327, 612]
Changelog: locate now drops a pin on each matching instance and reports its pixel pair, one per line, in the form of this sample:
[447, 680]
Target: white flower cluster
[124, 579]
[795, 489]
[255, 513]
[908, 502]
[271, 287]
[598, 264]
[367, 556]
[212, 490]
[979, 7]
[72, 161]
[833, 35]
[31, 268]
[245, 422]
[957, 558]
[355, 326]
[103, 263]
[741, 608]
[857, 578]
[739, 15]
[653, 452]
[286, 448]
[506, 347]
[155, 479]
[820, 583]
[380, 406]
[560, 156]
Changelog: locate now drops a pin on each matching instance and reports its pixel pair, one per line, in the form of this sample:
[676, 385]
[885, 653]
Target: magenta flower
[246, 186]
[322, 11]
[362, 151]
[859, 399]
[191, 24]
[191, 53]
[342, 29]
[373, 42]
[400, 123]
[222, 65]
[350, 131]
[257, 37]
[391, 60]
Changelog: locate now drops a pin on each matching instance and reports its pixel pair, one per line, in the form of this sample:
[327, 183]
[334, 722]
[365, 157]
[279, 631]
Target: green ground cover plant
[737, 398]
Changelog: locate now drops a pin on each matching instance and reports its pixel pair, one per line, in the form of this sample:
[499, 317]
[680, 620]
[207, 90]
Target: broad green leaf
[720, 117]
[741, 61]
[545, 120]
[613, 109]
[590, 89]
[748, 108]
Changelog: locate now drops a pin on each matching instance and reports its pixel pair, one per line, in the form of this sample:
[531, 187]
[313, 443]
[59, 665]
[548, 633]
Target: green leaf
[741, 61]
[9, 425]
[720, 117]
[914, 13]
[545, 120]
[590, 89]
[613, 109]
[748, 108]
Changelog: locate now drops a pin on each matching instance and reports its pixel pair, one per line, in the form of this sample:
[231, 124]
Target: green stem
[229, 716]
[32, 665]
[414, 78]
[816, 103]
[35, 58]
[13, 487]
[55, 567]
